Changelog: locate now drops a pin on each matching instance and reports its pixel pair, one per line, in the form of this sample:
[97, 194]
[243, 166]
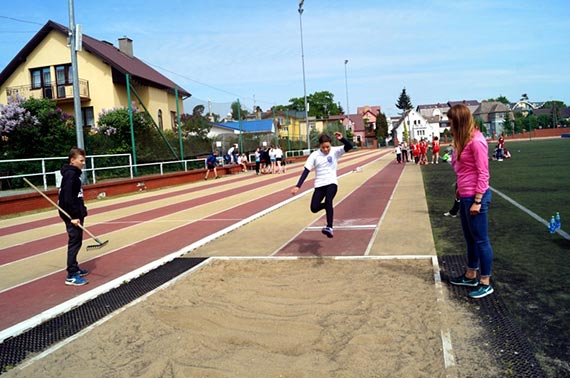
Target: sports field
[274, 298]
[531, 266]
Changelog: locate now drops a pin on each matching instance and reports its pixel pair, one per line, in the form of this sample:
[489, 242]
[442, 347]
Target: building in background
[42, 69]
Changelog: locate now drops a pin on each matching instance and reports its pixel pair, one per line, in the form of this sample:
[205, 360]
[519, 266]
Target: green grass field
[531, 267]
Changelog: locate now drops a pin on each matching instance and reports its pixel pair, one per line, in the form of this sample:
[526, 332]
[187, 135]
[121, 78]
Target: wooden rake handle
[58, 207]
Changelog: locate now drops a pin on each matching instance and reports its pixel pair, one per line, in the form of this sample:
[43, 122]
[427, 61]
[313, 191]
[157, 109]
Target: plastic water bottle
[558, 221]
[552, 225]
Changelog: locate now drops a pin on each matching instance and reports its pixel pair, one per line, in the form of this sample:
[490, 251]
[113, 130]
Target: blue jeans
[475, 231]
[499, 153]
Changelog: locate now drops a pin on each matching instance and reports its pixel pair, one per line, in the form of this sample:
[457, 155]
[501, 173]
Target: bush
[35, 128]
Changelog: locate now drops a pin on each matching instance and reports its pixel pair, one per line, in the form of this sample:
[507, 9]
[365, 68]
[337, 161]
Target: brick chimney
[126, 46]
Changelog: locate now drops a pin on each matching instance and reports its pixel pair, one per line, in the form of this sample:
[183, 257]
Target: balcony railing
[54, 92]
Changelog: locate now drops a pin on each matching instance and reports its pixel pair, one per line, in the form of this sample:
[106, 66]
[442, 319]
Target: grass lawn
[531, 267]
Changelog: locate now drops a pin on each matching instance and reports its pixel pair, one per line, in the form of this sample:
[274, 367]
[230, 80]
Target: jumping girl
[324, 160]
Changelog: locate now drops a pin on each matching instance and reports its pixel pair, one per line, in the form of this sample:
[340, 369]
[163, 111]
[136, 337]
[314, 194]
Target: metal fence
[121, 166]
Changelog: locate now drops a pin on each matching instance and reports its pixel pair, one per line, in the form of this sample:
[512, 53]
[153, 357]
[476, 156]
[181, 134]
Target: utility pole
[304, 82]
[75, 44]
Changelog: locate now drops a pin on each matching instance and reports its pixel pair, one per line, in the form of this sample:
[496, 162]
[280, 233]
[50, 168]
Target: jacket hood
[68, 168]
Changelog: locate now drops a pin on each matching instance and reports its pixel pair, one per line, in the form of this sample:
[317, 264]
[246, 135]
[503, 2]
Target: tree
[501, 99]
[381, 127]
[404, 102]
[195, 124]
[554, 104]
[507, 124]
[321, 105]
[242, 112]
[544, 121]
[481, 126]
[34, 128]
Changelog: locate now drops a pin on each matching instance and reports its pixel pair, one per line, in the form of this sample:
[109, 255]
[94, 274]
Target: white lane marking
[373, 238]
[448, 357]
[355, 227]
[562, 233]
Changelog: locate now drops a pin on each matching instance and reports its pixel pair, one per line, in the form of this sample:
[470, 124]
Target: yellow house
[290, 124]
[42, 69]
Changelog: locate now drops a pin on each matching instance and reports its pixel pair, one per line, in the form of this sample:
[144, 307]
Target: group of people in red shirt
[419, 151]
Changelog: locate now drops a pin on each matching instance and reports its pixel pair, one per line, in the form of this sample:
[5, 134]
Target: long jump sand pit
[308, 317]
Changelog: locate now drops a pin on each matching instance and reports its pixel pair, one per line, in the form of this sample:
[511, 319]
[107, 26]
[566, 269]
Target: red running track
[29, 299]
[363, 207]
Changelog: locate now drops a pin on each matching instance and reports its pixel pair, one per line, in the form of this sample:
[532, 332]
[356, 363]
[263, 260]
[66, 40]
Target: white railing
[92, 169]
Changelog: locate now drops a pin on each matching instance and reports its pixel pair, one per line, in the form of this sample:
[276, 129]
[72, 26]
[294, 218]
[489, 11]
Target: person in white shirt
[324, 160]
[272, 157]
[242, 160]
[278, 158]
[232, 153]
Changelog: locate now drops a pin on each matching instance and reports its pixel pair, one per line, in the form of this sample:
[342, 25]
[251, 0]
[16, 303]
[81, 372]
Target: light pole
[304, 83]
[346, 85]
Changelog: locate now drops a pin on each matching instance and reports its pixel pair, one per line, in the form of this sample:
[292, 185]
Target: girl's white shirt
[325, 165]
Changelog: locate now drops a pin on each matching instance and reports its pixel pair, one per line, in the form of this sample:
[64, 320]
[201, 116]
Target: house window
[160, 123]
[63, 78]
[41, 79]
[63, 74]
[173, 121]
[87, 115]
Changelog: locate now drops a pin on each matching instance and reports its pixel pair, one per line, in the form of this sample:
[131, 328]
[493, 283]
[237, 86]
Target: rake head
[99, 244]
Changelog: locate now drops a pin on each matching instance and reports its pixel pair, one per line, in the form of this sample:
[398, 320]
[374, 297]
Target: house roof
[254, 126]
[490, 107]
[432, 106]
[562, 112]
[464, 102]
[372, 109]
[357, 122]
[104, 50]
[487, 107]
[338, 117]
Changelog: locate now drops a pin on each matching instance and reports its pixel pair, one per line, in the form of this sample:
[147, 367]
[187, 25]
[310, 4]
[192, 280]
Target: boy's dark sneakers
[82, 272]
[328, 231]
[464, 281]
[75, 280]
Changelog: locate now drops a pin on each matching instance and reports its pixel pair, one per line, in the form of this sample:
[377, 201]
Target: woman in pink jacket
[471, 164]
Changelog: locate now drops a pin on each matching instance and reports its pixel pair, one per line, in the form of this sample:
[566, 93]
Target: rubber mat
[16, 349]
[506, 339]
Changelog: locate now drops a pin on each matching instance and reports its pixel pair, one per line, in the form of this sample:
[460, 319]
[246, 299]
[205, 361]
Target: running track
[354, 227]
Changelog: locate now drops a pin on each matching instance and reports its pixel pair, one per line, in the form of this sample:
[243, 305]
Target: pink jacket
[473, 169]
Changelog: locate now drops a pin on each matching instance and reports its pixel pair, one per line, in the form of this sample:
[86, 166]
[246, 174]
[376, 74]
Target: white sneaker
[448, 214]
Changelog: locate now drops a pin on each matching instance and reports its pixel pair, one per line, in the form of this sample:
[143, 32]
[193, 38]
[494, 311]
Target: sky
[224, 50]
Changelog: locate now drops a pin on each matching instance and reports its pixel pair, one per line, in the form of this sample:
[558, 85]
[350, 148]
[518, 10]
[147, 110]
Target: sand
[273, 318]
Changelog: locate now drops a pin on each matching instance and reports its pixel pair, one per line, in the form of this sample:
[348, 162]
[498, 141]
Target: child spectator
[71, 201]
[211, 164]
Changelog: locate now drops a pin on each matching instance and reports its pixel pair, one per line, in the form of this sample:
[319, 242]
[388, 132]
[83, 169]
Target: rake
[99, 244]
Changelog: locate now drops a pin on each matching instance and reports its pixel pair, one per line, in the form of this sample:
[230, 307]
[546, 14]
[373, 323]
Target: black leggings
[327, 193]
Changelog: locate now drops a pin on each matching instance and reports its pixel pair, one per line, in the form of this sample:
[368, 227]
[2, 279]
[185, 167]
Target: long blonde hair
[462, 127]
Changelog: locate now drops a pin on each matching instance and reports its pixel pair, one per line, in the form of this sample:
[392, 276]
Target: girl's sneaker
[328, 231]
[464, 281]
[482, 291]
